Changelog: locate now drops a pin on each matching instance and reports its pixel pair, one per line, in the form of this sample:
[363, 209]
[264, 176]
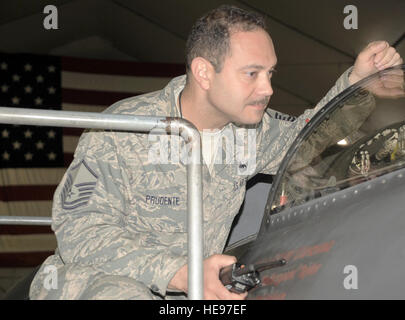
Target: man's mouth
[257, 106]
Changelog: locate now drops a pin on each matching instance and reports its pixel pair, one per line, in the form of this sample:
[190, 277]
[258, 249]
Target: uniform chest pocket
[159, 201]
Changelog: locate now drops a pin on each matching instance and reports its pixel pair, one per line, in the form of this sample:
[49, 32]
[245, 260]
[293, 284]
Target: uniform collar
[172, 90]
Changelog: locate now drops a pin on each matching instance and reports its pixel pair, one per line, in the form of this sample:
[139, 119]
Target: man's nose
[265, 88]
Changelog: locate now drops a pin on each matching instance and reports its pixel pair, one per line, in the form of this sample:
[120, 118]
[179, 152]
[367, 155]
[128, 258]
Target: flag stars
[28, 134]
[38, 101]
[17, 145]
[5, 133]
[15, 100]
[51, 134]
[40, 145]
[52, 156]
[28, 89]
[27, 83]
[28, 156]
[5, 155]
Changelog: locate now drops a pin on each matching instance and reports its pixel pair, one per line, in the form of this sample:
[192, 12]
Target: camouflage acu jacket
[118, 212]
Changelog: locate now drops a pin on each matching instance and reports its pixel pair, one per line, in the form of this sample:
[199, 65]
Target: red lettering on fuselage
[300, 253]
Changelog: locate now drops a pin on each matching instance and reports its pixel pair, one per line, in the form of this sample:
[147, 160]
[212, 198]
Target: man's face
[241, 91]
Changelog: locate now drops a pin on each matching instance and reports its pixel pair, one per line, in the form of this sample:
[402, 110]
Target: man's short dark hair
[210, 35]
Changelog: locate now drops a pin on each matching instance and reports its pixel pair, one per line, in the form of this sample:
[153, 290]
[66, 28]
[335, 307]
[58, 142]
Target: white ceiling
[312, 45]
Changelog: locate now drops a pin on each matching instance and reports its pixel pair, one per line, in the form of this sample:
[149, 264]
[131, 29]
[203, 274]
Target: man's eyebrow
[257, 66]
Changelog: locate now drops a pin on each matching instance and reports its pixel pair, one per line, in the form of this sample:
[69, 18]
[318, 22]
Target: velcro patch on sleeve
[79, 186]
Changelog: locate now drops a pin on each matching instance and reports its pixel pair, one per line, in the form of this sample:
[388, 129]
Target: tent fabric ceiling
[312, 45]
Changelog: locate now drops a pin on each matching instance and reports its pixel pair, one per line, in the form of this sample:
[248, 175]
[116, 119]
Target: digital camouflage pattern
[120, 219]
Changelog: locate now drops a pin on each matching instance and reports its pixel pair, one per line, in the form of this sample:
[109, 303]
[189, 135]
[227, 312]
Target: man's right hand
[213, 288]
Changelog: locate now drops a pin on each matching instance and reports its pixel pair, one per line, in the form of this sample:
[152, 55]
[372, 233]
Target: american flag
[34, 159]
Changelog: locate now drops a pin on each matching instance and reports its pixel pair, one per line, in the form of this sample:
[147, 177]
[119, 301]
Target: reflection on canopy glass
[362, 137]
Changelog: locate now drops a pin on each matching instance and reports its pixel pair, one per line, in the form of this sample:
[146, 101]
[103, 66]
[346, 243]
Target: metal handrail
[25, 220]
[93, 120]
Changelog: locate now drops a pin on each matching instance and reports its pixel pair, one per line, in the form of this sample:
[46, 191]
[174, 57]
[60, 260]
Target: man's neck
[199, 112]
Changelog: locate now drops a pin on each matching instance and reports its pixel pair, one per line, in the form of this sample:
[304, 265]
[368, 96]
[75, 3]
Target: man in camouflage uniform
[120, 218]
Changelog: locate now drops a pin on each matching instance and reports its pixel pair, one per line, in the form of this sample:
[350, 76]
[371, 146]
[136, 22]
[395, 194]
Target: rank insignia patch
[79, 186]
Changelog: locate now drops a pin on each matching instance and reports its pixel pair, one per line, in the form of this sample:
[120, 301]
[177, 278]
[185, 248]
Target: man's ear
[202, 71]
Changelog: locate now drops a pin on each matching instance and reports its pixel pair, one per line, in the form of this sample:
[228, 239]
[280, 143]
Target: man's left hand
[377, 56]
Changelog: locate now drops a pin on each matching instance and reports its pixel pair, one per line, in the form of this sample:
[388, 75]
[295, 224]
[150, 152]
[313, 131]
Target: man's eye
[252, 74]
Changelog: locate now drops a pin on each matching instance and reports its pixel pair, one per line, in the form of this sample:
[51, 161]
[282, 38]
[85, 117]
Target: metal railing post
[93, 120]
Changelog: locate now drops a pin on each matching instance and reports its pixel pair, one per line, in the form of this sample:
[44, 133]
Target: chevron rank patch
[79, 186]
